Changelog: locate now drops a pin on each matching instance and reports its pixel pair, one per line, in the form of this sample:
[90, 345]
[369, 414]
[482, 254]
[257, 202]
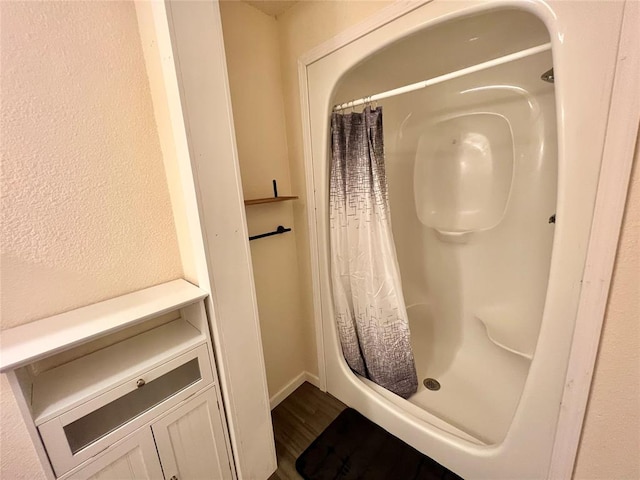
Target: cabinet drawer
[89, 428]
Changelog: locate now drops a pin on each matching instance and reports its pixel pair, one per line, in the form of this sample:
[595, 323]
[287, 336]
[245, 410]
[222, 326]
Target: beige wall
[85, 212]
[610, 445]
[262, 54]
[253, 62]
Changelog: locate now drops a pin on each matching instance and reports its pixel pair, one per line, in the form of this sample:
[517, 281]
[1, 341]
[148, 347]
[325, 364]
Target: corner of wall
[153, 63]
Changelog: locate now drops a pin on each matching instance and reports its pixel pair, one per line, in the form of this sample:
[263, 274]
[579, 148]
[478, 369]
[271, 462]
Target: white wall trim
[202, 124]
[287, 390]
[311, 223]
[617, 160]
[611, 199]
[313, 379]
[291, 387]
[155, 14]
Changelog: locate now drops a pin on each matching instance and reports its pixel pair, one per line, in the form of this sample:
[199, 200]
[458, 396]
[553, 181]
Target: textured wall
[85, 207]
[253, 61]
[610, 446]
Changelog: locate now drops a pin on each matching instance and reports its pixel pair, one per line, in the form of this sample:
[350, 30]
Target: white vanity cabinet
[181, 445]
[119, 398]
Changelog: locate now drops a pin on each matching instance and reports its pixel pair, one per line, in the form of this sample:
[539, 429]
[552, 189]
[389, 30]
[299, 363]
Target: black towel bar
[277, 231]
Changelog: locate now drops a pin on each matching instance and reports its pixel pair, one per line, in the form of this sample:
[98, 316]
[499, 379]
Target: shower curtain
[370, 311]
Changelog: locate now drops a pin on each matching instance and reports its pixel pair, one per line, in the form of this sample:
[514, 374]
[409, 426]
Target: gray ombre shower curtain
[370, 311]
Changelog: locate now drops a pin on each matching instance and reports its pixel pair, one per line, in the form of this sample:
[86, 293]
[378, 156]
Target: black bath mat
[353, 447]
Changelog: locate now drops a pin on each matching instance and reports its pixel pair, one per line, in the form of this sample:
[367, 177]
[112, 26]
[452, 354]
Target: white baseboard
[290, 387]
[313, 379]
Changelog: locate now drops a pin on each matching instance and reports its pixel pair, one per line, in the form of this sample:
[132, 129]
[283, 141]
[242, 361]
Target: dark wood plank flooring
[297, 422]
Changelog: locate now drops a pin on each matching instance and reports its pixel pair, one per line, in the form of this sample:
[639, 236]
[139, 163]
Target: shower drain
[431, 383]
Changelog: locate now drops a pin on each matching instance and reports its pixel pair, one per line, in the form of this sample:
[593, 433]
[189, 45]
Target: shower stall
[471, 166]
[491, 186]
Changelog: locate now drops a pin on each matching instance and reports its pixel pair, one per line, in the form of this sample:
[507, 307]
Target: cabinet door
[190, 440]
[134, 458]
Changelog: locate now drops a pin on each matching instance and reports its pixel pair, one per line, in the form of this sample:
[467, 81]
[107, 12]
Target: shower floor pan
[479, 398]
[480, 386]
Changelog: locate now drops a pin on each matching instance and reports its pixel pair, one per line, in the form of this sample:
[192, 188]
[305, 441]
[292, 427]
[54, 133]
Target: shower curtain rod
[443, 78]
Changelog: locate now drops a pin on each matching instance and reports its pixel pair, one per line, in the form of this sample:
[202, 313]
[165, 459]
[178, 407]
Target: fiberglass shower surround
[477, 165]
[471, 167]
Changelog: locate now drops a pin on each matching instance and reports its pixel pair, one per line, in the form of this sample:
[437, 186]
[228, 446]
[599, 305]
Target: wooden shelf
[258, 201]
[30, 342]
